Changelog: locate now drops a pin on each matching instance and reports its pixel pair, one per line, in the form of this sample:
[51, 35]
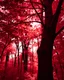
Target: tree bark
[45, 70]
[25, 56]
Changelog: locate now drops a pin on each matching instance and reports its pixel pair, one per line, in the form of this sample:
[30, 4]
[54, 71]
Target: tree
[45, 70]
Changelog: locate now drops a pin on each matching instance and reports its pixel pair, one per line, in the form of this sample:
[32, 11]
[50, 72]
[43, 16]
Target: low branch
[59, 31]
[30, 15]
[21, 22]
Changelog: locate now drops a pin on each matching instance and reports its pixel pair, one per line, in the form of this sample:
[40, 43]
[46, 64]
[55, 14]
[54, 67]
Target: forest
[31, 39]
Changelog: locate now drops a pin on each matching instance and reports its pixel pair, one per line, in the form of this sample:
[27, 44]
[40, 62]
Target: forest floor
[15, 71]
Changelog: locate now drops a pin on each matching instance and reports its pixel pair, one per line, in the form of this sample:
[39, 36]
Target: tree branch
[57, 13]
[59, 31]
[40, 3]
[37, 13]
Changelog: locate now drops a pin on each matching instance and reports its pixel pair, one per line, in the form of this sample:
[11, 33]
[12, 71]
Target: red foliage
[19, 22]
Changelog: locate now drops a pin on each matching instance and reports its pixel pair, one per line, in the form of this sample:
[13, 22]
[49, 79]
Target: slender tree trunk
[25, 61]
[18, 55]
[22, 51]
[15, 60]
[25, 57]
[7, 59]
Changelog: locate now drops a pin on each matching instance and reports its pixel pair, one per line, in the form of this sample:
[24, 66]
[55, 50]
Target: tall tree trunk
[15, 60]
[7, 59]
[22, 51]
[45, 70]
[17, 46]
[18, 56]
[25, 57]
[25, 61]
